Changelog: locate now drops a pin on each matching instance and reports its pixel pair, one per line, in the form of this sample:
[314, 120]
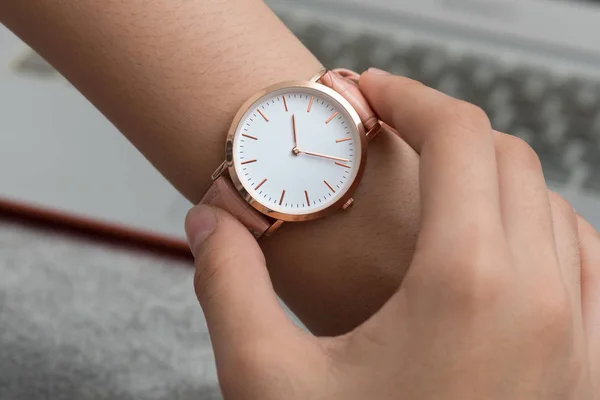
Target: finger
[589, 247]
[526, 212]
[232, 283]
[564, 221]
[458, 174]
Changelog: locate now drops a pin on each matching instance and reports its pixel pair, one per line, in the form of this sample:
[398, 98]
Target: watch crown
[348, 204]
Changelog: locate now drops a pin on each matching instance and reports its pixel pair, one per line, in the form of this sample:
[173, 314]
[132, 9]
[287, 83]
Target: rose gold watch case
[229, 162]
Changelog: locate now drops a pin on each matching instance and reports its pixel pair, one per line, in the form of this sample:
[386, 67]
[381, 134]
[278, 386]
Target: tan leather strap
[345, 82]
[223, 194]
[358, 101]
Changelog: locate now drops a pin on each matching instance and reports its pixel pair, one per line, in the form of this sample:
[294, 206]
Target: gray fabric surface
[82, 320]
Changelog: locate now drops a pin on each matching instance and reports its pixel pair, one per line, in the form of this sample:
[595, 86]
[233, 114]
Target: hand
[490, 307]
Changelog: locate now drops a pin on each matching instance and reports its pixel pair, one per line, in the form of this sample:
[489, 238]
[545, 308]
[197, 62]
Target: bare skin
[171, 74]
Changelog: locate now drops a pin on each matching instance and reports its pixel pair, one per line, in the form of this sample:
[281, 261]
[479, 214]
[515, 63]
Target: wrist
[335, 273]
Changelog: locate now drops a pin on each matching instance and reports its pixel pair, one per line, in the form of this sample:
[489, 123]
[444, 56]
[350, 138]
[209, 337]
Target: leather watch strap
[345, 82]
[223, 194]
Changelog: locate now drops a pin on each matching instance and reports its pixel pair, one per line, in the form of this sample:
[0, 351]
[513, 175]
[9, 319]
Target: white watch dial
[297, 151]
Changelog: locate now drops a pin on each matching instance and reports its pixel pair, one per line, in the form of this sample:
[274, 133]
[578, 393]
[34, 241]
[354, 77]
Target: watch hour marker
[285, 103]
[343, 140]
[250, 137]
[329, 186]
[332, 117]
[282, 196]
[307, 199]
[249, 162]
[342, 165]
[260, 184]
[263, 115]
[310, 103]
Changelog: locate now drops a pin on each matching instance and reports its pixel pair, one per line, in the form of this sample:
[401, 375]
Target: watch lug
[276, 225]
[318, 75]
[219, 171]
[374, 131]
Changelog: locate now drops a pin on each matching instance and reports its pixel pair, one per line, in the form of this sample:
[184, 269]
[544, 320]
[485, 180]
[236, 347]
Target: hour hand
[325, 156]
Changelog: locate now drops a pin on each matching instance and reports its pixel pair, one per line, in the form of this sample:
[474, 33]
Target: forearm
[171, 75]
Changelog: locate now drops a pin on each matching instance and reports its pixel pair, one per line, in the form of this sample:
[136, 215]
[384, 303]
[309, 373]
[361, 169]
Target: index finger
[458, 171]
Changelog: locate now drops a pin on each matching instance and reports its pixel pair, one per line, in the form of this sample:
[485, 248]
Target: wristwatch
[296, 151]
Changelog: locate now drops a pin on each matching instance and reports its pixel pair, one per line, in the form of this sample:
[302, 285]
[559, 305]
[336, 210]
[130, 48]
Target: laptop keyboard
[559, 116]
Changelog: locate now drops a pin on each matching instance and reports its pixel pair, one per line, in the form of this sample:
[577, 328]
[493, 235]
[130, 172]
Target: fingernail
[200, 223]
[377, 71]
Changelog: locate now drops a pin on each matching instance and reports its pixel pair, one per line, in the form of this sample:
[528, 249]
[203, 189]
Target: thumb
[232, 282]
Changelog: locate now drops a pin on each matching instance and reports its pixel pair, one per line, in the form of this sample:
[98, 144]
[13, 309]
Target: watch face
[297, 151]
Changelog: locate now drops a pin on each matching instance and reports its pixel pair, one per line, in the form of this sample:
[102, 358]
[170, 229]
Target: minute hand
[325, 156]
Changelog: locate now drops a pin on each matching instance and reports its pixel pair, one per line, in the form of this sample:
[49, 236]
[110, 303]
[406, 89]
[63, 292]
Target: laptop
[533, 65]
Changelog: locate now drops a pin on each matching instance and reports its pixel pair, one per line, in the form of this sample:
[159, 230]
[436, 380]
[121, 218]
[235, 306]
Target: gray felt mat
[82, 320]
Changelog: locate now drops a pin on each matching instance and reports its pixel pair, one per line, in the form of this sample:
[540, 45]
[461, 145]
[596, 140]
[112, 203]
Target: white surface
[58, 151]
[296, 174]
